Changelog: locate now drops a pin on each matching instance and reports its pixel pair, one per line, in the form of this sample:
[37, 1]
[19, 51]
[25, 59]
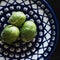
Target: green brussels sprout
[17, 18]
[10, 34]
[28, 31]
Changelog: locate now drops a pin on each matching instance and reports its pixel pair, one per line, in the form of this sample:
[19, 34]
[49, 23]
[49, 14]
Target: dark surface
[55, 4]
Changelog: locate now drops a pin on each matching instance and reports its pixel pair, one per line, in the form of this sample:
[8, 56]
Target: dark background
[55, 4]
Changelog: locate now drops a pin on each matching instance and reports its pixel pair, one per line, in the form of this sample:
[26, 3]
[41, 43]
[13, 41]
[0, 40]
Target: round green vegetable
[28, 31]
[10, 34]
[17, 18]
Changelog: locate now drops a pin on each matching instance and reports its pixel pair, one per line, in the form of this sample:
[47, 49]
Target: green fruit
[17, 18]
[10, 34]
[28, 31]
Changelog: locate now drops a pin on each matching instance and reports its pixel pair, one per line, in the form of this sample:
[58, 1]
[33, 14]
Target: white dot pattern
[41, 46]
